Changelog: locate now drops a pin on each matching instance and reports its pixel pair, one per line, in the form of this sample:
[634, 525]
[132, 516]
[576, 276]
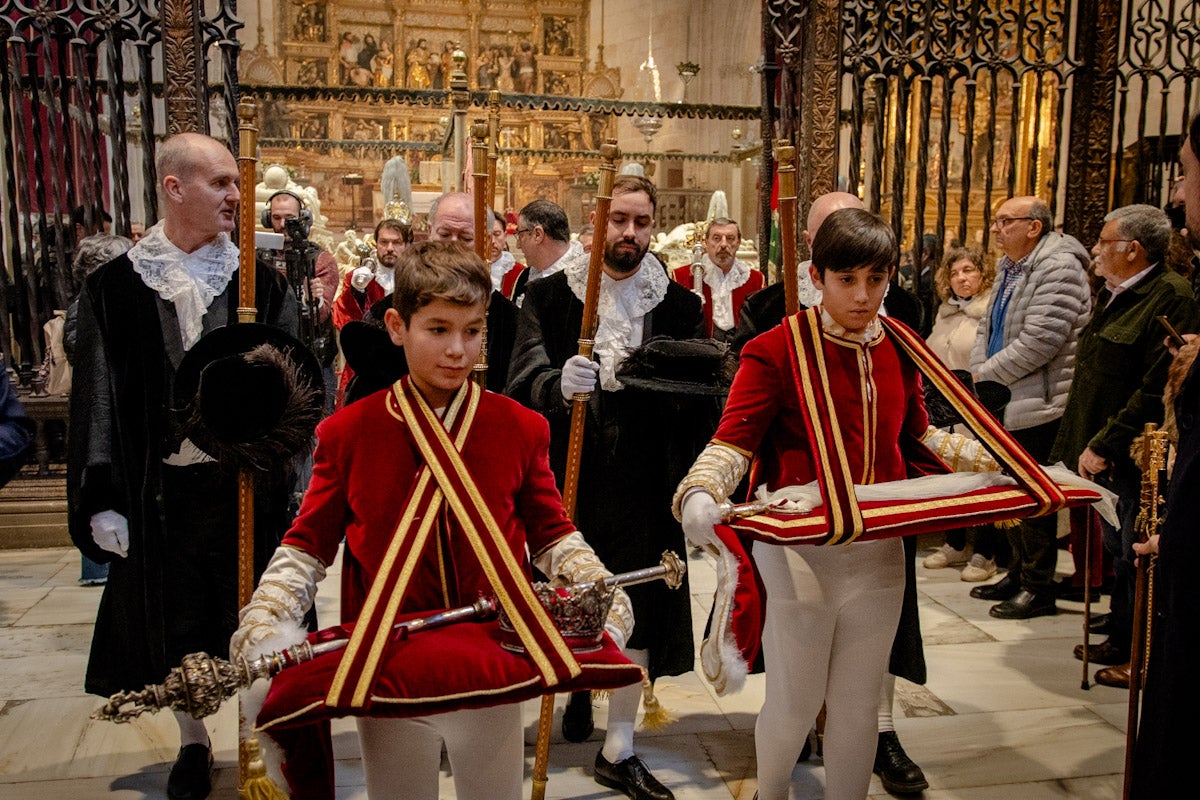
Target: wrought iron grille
[947, 109]
[71, 145]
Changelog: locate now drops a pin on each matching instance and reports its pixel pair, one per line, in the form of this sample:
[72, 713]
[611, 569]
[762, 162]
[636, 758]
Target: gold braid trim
[717, 471]
[960, 453]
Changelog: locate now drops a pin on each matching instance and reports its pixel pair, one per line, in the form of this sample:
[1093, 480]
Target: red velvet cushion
[445, 669]
[887, 518]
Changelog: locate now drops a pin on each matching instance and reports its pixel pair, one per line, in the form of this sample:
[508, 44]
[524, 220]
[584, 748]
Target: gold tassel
[1007, 523]
[258, 785]
[656, 717]
[600, 695]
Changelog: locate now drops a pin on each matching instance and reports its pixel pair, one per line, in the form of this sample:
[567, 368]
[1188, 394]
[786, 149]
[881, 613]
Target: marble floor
[1002, 714]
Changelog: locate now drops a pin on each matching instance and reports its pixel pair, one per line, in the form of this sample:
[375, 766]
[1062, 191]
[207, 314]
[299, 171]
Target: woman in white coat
[962, 283]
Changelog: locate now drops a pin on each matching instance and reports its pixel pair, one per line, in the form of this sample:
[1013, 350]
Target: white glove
[110, 531]
[578, 377]
[274, 618]
[361, 278]
[700, 514]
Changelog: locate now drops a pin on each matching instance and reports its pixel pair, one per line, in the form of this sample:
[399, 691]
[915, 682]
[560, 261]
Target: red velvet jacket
[876, 391]
[508, 283]
[347, 306]
[364, 468]
[683, 276]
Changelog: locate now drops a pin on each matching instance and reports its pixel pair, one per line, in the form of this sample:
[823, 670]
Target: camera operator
[311, 272]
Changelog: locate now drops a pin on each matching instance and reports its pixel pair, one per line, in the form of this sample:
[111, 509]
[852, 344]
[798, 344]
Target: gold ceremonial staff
[200, 683]
[1154, 462]
[493, 148]
[785, 157]
[253, 783]
[482, 238]
[609, 153]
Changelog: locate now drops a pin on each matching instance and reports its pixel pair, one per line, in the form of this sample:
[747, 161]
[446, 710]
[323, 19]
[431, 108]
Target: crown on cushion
[579, 616]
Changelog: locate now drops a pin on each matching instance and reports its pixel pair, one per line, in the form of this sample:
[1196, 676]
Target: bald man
[142, 497]
[764, 310]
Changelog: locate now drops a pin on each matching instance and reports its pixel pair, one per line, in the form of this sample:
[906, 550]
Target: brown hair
[405, 231]
[851, 238]
[987, 270]
[627, 184]
[433, 270]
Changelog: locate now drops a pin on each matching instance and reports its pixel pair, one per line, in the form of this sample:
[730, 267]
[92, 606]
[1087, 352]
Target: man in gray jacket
[1026, 341]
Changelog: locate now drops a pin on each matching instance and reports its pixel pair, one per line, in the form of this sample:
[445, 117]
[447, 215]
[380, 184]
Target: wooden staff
[785, 156]
[253, 782]
[483, 239]
[493, 152]
[1154, 461]
[1087, 518]
[609, 153]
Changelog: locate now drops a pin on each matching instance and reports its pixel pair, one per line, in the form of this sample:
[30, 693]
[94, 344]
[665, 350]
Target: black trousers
[1034, 551]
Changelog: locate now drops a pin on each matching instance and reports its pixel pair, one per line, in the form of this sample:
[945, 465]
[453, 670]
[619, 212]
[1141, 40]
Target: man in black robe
[143, 497]
[631, 459]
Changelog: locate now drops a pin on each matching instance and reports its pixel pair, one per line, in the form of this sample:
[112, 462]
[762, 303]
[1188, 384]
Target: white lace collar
[501, 267]
[189, 281]
[721, 286]
[868, 335]
[574, 251]
[622, 305]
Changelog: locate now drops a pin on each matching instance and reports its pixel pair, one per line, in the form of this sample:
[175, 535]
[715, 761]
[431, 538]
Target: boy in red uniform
[831, 611]
[366, 487]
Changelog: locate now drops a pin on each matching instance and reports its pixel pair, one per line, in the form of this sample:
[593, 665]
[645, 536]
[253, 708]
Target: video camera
[296, 257]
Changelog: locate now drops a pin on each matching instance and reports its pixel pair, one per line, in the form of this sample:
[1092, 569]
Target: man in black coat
[142, 495]
[630, 462]
[1171, 700]
[764, 310]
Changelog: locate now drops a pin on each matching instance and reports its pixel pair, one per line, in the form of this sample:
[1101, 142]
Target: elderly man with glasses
[1026, 341]
[1120, 373]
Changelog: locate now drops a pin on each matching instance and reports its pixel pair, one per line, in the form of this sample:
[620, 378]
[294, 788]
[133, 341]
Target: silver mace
[201, 683]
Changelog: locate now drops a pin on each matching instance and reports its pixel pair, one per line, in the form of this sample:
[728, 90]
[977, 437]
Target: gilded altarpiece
[346, 54]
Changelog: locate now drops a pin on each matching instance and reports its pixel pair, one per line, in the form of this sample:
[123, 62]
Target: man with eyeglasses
[1120, 372]
[1026, 341]
[544, 237]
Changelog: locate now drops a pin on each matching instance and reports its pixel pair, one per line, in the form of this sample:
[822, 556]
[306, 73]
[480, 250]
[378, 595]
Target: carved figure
[416, 62]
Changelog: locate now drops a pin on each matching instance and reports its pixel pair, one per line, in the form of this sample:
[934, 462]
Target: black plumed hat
[250, 395]
[679, 366]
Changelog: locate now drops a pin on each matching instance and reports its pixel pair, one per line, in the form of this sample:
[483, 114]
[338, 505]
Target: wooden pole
[493, 150]
[252, 779]
[785, 156]
[609, 153]
[483, 239]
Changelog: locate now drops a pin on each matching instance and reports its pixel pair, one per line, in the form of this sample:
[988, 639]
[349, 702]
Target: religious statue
[395, 182]
[416, 62]
[346, 253]
[524, 70]
[383, 65]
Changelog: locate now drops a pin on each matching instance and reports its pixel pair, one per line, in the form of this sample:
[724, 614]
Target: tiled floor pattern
[1002, 716]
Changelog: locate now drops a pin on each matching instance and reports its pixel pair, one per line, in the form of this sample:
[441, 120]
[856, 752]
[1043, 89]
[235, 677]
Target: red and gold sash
[444, 480]
[845, 517]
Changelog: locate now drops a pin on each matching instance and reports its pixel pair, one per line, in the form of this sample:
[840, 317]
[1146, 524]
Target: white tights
[402, 757]
[622, 714]
[831, 618]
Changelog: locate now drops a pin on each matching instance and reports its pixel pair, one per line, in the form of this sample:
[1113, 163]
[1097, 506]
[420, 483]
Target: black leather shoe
[577, 723]
[1103, 653]
[1023, 605]
[899, 773]
[1065, 590]
[1101, 623]
[191, 777]
[1002, 589]
[631, 777]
